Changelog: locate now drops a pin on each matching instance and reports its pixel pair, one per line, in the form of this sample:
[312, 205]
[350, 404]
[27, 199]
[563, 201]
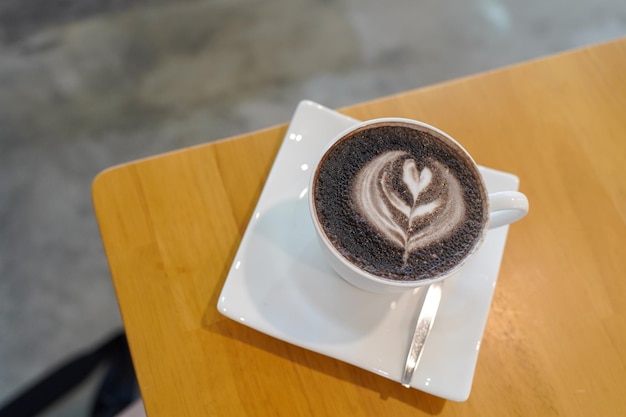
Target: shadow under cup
[399, 204]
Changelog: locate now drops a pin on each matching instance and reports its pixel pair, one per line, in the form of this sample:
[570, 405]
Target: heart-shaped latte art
[409, 207]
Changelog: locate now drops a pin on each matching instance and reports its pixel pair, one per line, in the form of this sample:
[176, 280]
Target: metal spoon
[423, 326]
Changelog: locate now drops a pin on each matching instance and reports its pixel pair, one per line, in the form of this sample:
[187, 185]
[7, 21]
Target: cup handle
[506, 207]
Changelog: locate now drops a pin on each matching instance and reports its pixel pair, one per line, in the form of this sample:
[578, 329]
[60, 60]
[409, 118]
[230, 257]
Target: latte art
[412, 208]
[399, 201]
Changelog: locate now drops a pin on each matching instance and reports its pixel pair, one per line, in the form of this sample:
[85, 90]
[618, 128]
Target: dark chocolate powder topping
[416, 214]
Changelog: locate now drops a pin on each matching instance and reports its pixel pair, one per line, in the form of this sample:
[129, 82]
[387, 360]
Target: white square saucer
[279, 283]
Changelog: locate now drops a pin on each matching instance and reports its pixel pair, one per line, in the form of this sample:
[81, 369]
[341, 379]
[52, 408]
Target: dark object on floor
[117, 389]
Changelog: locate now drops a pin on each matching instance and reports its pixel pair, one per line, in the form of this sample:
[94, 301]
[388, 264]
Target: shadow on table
[386, 388]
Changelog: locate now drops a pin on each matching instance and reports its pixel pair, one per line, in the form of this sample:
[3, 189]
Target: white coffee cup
[503, 208]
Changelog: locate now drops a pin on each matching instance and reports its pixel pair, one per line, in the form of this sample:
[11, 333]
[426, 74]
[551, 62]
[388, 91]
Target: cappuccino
[400, 201]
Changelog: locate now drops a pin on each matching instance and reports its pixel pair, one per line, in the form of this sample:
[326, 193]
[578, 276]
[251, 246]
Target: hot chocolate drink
[400, 201]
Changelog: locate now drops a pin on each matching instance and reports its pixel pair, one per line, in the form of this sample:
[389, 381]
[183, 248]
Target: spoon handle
[423, 326]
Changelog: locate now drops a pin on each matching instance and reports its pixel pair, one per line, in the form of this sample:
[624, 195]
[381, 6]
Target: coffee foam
[399, 203]
[409, 207]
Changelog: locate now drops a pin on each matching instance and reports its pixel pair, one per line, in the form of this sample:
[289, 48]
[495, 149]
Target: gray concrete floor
[88, 84]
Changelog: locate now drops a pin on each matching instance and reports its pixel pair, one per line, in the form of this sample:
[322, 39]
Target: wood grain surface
[555, 341]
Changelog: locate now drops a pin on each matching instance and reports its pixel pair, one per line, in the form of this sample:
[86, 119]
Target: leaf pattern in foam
[393, 216]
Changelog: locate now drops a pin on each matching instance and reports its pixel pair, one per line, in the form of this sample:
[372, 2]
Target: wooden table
[555, 341]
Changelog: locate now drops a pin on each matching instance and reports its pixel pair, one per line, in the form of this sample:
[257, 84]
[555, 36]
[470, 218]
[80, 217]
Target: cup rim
[389, 282]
